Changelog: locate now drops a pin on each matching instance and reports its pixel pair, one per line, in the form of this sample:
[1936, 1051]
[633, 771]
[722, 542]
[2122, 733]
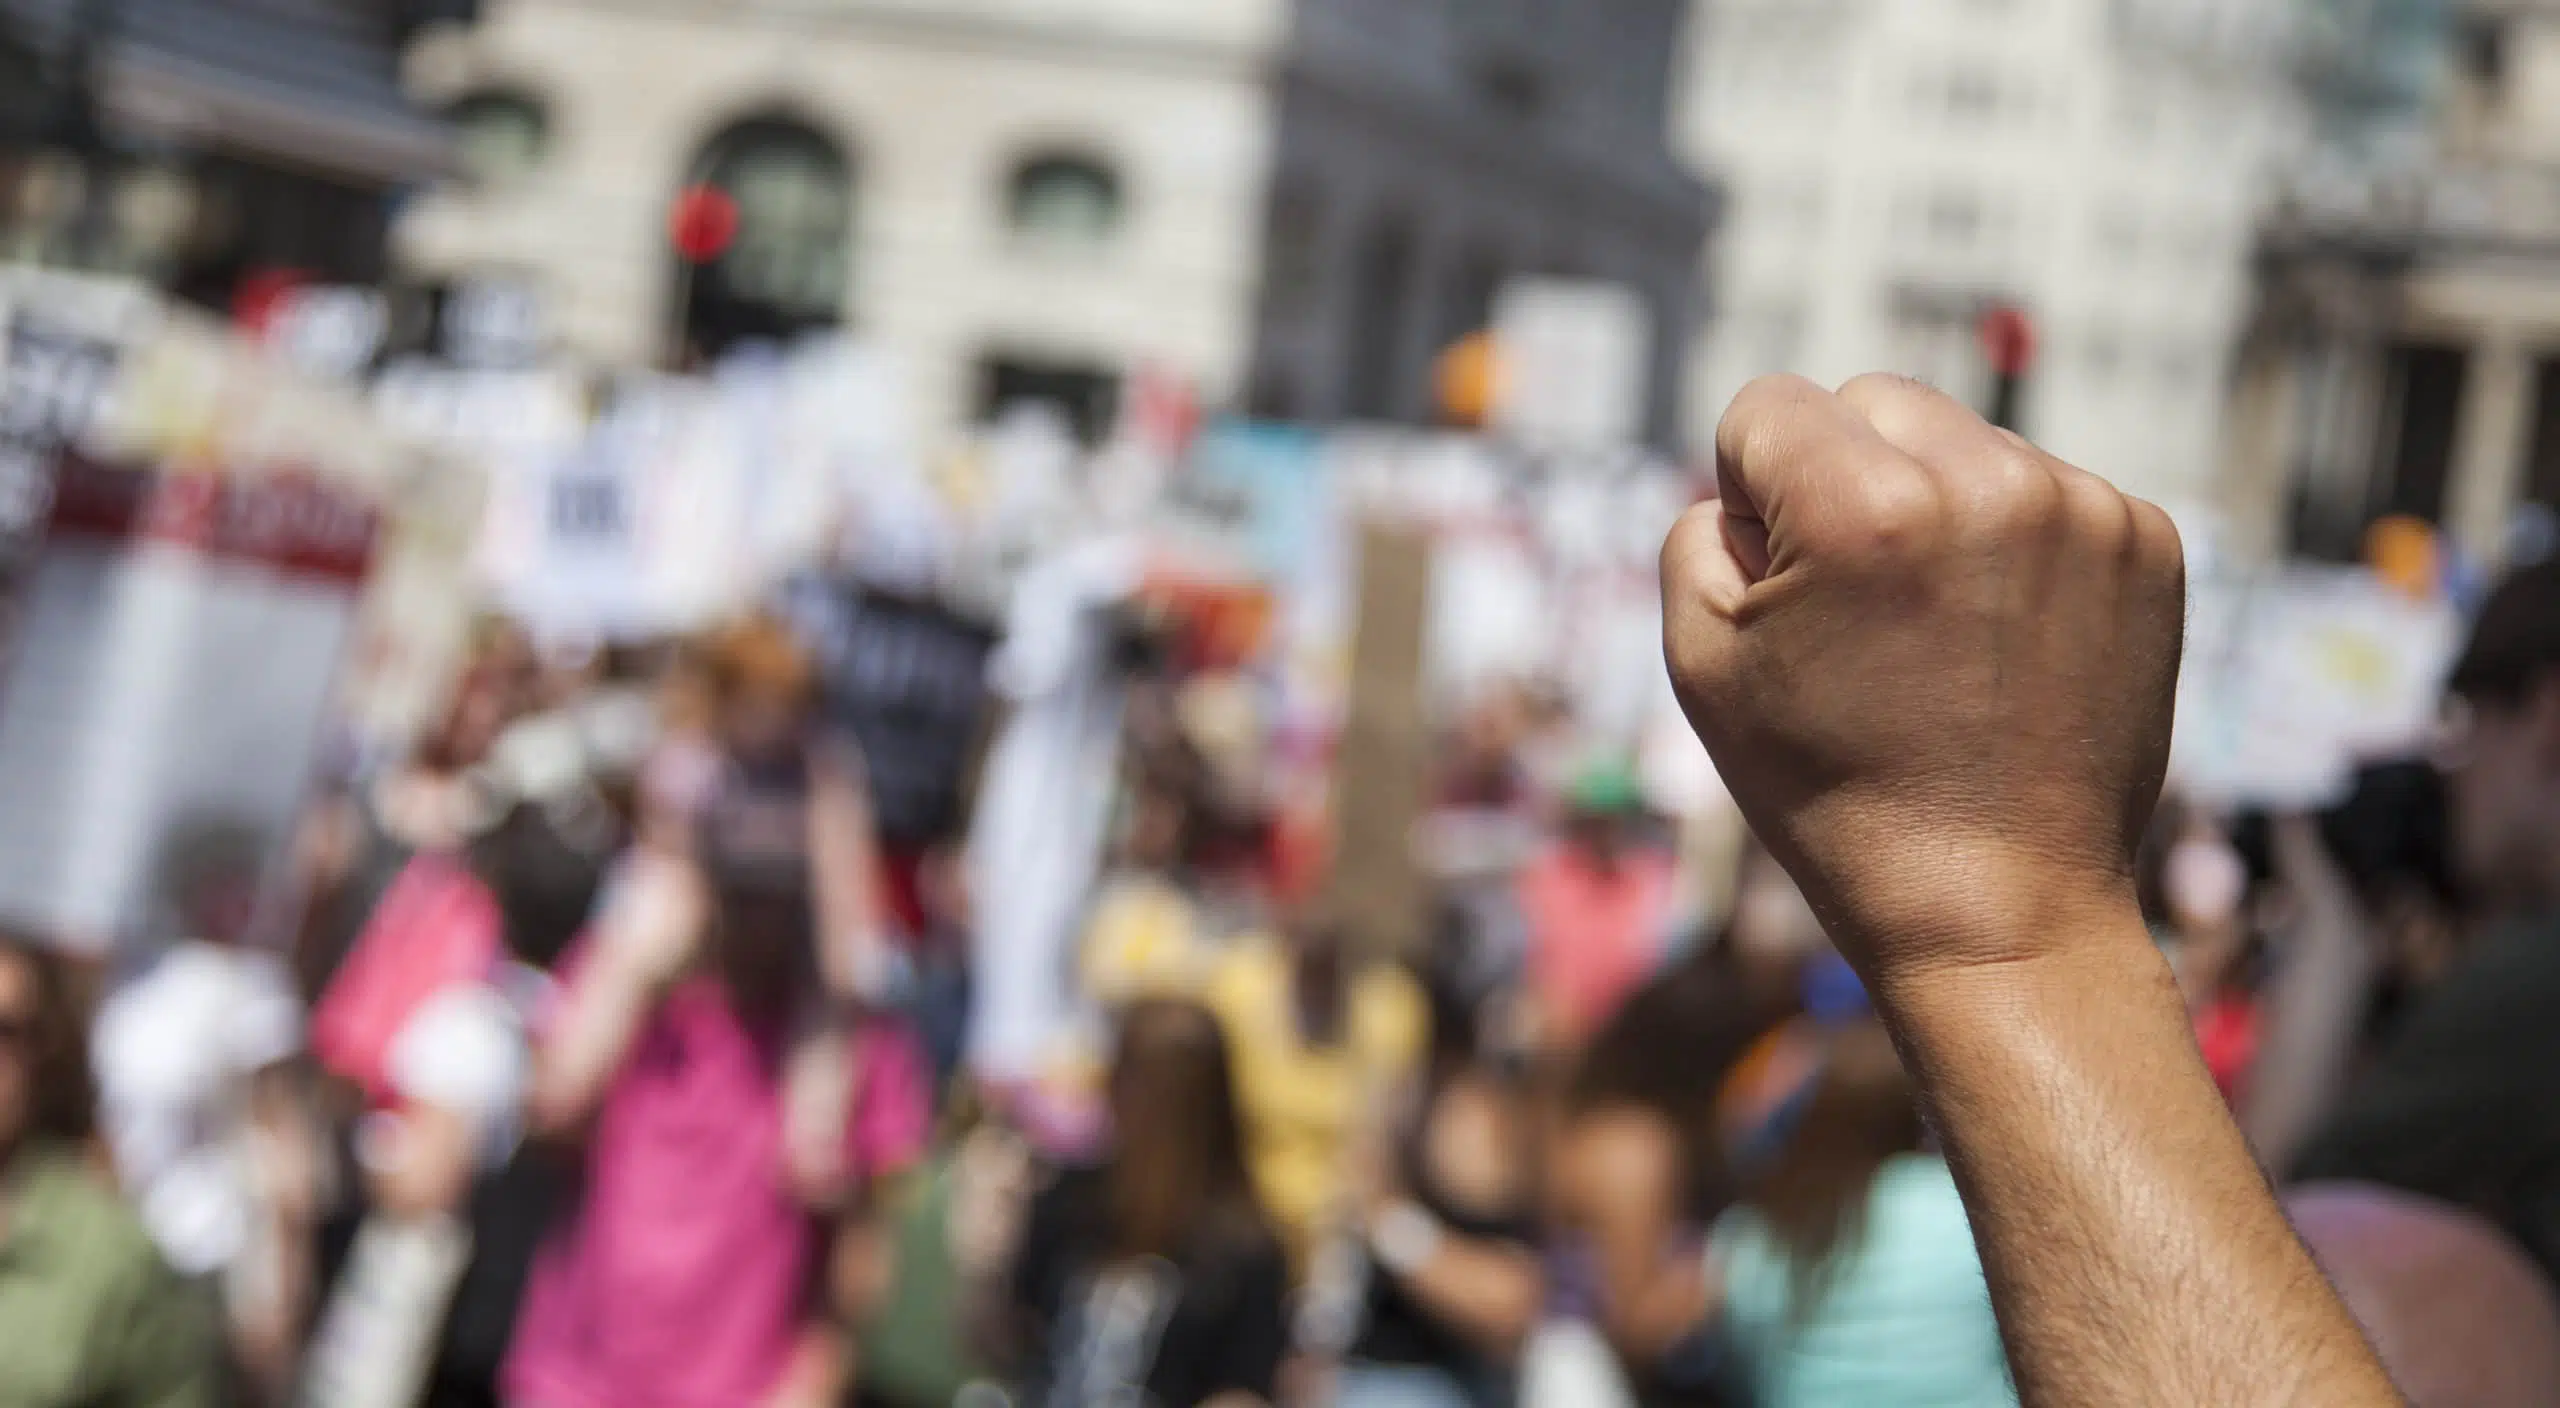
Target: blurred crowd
[611, 1054]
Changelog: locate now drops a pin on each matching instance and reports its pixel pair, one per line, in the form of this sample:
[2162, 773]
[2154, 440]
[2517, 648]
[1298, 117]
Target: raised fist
[1935, 665]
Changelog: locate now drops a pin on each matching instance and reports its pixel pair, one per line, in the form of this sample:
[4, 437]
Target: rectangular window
[2482, 49]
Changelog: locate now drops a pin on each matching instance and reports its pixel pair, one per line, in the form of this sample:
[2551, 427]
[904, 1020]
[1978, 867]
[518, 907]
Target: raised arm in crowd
[1936, 666]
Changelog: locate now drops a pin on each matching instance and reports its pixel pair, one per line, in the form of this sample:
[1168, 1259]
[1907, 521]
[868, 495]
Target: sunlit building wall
[1289, 205]
[1034, 194]
[1897, 166]
[2405, 356]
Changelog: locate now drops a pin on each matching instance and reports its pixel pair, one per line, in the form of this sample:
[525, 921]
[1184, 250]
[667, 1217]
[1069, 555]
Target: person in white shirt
[203, 1108]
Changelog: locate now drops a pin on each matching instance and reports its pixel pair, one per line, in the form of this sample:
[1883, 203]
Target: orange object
[2404, 551]
[1468, 377]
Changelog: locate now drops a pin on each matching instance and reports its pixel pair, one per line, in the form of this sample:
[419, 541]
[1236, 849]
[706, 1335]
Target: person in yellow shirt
[1322, 1042]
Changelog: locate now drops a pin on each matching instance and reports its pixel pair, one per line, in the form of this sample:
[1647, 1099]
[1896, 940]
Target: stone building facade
[1896, 168]
[1041, 200]
[1429, 151]
[2404, 356]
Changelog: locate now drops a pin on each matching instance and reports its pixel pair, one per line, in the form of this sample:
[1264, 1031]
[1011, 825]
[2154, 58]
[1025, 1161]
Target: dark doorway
[1381, 290]
[2542, 468]
[2425, 397]
[784, 267]
[1088, 397]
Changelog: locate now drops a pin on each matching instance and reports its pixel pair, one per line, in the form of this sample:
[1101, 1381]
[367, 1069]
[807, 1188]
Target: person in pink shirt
[682, 1052]
[1596, 904]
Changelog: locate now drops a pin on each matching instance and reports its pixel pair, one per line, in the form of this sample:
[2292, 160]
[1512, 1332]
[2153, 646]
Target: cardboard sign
[1377, 886]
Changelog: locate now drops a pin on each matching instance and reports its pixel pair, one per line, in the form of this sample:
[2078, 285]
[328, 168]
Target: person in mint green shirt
[1847, 1274]
[90, 1317]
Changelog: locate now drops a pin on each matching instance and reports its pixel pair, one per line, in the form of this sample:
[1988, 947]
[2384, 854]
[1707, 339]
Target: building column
[2489, 445]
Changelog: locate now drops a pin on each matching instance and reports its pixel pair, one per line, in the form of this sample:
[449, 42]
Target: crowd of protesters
[612, 1059]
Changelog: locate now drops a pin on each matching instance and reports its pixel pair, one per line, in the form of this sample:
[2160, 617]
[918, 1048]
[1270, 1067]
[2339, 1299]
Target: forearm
[2319, 999]
[1652, 1299]
[845, 880]
[577, 1064]
[2134, 1252]
[427, 1170]
[1485, 1291]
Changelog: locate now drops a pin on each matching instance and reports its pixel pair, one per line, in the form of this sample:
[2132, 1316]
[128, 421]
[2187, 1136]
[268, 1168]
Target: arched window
[784, 264]
[1065, 200]
[498, 136]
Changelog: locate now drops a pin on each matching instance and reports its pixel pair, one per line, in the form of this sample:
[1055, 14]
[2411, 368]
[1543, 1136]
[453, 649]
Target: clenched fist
[1934, 664]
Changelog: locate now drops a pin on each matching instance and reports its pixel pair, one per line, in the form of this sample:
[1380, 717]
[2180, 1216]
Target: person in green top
[89, 1314]
[1847, 1273]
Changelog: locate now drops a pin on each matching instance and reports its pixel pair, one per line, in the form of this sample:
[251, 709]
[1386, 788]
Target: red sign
[287, 522]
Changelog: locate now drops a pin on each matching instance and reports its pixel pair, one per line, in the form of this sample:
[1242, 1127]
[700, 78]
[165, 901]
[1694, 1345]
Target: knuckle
[2023, 492]
[2156, 537]
[1901, 408]
[2091, 508]
[1886, 389]
[1899, 514]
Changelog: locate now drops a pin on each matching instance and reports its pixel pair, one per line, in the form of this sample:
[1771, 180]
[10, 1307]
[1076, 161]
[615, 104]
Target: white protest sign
[1576, 355]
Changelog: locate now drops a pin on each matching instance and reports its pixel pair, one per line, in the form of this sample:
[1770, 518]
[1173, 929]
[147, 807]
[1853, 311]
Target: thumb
[1709, 561]
[1784, 450]
[1712, 556]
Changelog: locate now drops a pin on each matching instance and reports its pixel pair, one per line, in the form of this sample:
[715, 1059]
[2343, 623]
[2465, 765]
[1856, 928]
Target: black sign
[906, 681]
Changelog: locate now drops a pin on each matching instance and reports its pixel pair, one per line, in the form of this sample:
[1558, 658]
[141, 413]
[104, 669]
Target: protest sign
[178, 654]
[2294, 678]
[52, 381]
[905, 679]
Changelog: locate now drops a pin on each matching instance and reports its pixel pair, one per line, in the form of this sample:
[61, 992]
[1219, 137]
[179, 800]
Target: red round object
[2008, 339]
[261, 294]
[702, 223]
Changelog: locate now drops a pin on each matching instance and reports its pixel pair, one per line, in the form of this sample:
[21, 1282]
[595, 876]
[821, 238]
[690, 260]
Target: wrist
[642, 976]
[1963, 912]
[2081, 990]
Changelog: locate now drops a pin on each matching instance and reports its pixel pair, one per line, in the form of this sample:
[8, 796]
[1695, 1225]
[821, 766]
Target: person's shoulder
[1251, 969]
[1917, 1193]
[2506, 991]
[2521, 958]
[1390, 1006]
[75, 1204]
